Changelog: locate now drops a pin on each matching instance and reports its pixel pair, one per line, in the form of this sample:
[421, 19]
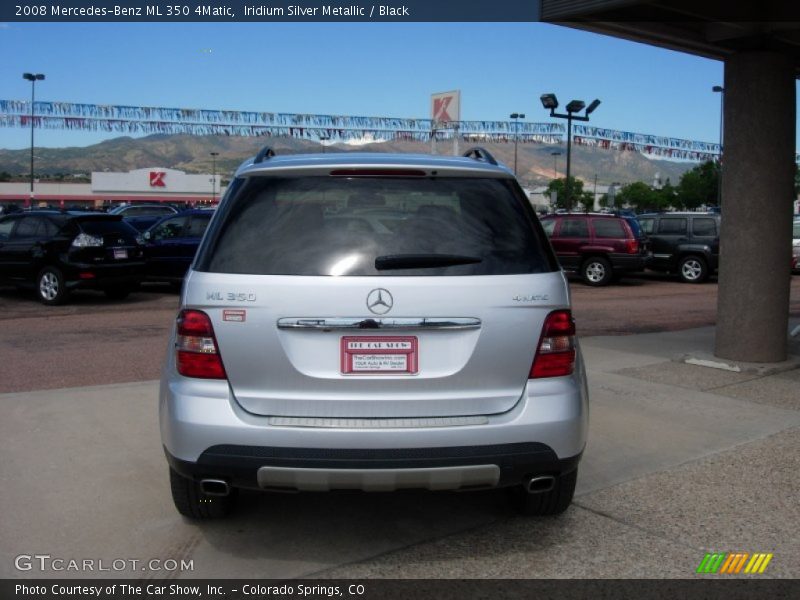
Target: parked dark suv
[684, 243]
[599, 247]
[56, 252]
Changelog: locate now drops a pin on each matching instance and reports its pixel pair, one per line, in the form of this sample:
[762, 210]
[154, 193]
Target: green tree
[576, 193]
[698, 186]
[640, 197]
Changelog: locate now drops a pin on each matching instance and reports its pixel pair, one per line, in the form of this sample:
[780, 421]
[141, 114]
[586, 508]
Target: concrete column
[757, 193]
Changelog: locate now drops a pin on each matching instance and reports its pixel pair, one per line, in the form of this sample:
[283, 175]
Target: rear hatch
[376, 297]
[105, 239]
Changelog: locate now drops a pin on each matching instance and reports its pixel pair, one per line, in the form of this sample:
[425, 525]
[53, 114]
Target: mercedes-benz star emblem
[379, 301]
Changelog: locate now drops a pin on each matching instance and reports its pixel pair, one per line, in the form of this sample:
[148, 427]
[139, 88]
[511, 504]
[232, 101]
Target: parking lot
[682, 460]
[93, 341]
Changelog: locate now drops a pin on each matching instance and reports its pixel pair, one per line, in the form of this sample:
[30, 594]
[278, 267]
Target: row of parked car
[604, 247]
[55, 252]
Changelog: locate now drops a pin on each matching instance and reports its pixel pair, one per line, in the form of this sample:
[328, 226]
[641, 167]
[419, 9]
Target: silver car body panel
[296, 372]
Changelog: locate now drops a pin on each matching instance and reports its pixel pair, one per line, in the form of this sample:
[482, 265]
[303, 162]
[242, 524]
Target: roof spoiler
[264, 154]
[481, 154]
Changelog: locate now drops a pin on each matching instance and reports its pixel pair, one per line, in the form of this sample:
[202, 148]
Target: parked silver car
[431, 347]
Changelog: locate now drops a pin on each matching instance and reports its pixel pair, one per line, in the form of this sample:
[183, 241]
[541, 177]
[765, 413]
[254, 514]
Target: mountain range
[535, 162]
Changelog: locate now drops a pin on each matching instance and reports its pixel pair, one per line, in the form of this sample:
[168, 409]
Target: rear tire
[596, 271]
[191, 502]
[50, 287]
[554, 502]
[693, 269]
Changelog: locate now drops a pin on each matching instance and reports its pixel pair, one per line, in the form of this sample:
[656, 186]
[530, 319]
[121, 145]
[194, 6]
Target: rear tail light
[632, 246]
[197, 354]
[84, 240]
[555, 356]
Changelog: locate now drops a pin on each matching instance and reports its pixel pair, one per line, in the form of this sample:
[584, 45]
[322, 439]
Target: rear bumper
[102, 276]
[314, 469]
[629, 263]
[206, 434]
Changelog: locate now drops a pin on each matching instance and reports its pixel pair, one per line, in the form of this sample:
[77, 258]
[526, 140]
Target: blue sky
[373, 69]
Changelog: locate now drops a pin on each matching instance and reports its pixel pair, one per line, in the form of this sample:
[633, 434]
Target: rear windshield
[105, 227]
[339, 226]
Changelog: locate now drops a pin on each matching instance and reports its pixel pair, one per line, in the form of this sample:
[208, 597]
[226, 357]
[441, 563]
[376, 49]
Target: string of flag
[146, 120]
[150, 120]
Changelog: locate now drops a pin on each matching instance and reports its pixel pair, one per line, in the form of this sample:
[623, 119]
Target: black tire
[693, 269]
[193, 503]
[50, 287]
[596, 271]
[117, 293]
[554, 502]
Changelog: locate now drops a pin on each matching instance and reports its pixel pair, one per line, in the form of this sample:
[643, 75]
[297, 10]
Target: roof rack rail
[479, 153]
[264, 154]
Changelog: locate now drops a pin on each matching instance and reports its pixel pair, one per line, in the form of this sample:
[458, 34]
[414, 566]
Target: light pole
[214, 156]
[555, 154]
[721, 91]
[33, 78]
[516, 117]
[549, 101]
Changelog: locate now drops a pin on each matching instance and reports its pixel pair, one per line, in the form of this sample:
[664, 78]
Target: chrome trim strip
[378, 480]
[361, 323]
[355, 423]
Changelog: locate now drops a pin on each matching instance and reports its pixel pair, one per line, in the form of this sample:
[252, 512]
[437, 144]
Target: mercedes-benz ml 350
[373, 322]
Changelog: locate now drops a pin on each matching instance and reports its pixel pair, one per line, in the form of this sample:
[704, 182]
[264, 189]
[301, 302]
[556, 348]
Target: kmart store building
[141, 185]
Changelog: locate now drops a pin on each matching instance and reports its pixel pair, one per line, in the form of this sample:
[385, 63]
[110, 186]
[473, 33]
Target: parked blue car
[170, 245]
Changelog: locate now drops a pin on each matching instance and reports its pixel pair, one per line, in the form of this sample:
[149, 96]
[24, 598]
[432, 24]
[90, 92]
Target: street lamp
[555, 154]
[516, 117]
[550, 102]
[214, 156]
[721, 91]
[33, 78]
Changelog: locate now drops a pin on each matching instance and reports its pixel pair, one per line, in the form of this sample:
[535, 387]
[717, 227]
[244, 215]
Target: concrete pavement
[682, 460]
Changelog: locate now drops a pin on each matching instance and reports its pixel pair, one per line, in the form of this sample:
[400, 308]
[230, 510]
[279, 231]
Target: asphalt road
[93, 341]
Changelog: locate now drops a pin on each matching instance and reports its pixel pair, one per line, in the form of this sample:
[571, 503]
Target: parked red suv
[599, 247]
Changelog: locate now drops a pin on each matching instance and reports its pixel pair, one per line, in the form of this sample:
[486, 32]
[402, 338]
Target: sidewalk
[682, 460]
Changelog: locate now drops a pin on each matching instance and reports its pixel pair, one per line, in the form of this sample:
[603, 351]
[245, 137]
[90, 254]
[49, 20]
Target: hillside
[192, 154]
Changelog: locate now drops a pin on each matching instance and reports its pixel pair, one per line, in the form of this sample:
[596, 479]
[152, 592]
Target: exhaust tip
[215, 487]
[540, 484]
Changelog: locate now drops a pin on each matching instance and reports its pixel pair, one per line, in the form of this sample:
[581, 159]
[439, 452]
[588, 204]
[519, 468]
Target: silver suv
[373, 322]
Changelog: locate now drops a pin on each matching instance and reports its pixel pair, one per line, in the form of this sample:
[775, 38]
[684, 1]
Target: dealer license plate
[375, 355]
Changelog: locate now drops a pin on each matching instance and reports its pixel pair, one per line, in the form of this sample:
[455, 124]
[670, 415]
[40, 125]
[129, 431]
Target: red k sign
[446, 107]
[157, 179]
[440, 108]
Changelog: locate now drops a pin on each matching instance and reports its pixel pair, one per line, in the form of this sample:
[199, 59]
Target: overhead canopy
[710, 28]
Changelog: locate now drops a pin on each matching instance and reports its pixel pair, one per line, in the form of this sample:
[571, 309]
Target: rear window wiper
[423, 261]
